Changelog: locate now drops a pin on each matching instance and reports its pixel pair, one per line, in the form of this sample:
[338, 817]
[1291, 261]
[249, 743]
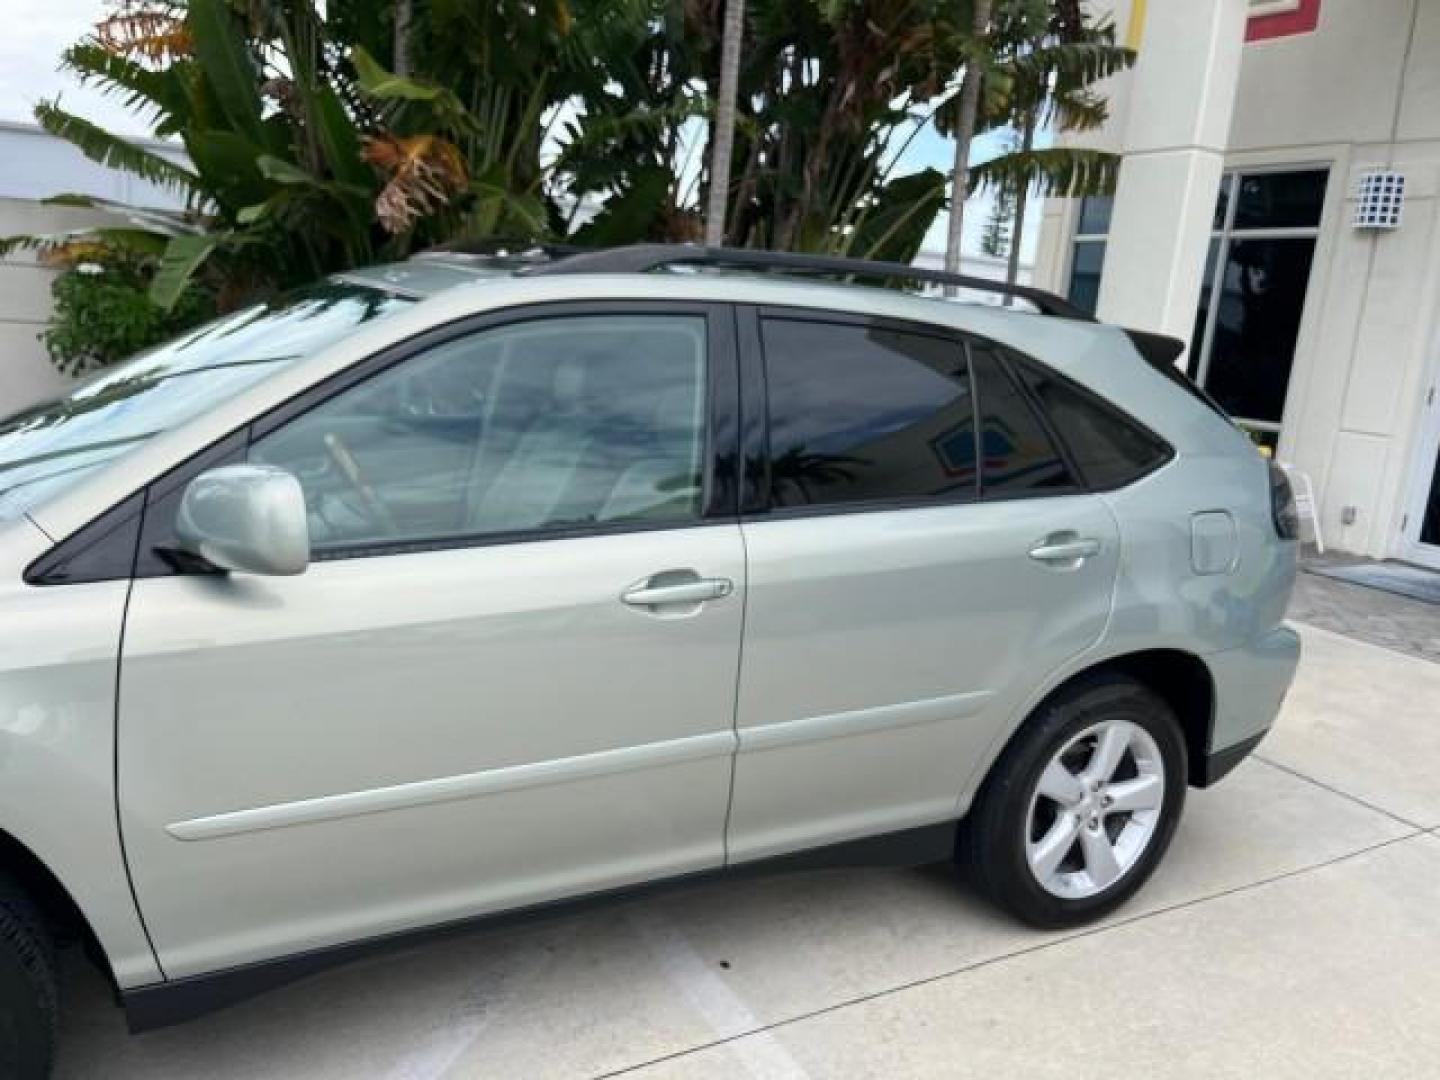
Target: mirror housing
[246, 517]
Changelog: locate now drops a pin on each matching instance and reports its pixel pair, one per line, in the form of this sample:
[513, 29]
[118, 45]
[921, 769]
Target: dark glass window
[1109, 449]
[859, 414]
[1262, 297]
[1016, 452]
[1086, 266]
[1095, 215]
[1285, 200]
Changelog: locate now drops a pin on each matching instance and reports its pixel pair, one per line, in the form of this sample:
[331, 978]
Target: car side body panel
[58, 667]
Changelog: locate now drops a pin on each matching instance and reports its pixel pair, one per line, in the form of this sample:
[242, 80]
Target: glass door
[1421, 529]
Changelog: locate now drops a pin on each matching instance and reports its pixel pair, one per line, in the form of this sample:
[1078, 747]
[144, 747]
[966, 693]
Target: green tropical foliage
[312, 144]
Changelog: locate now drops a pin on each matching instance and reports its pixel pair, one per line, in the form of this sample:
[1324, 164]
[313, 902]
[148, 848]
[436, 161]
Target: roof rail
[641, 258]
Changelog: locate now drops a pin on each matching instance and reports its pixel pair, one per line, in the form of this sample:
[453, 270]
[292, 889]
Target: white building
[37, 166]
[1248, 126]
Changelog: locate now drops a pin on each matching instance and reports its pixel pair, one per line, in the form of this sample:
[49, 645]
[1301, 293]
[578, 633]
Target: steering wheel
[350, 470]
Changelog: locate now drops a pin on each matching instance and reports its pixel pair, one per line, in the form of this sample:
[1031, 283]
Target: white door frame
[1424, 463]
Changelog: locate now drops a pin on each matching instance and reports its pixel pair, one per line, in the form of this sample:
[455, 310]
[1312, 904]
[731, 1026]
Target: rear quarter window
[1108, 447]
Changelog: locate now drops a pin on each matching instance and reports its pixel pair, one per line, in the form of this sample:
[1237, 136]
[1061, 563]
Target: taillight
[1282, 505]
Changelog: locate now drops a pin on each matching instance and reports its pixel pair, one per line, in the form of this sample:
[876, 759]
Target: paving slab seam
[1388, 650]
[1016, 953]
[1344, 794]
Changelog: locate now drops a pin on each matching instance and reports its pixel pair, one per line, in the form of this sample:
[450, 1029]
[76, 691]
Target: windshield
[49, 447]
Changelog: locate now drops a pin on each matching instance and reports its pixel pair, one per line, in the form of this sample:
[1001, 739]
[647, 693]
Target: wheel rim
[1095, 809]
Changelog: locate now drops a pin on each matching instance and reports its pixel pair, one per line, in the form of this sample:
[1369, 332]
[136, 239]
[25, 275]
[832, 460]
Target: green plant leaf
[628, 215]
[183, 256]
[227, 64]
[101, 146]
[1055, 172]
[283, 172]
[386, 85]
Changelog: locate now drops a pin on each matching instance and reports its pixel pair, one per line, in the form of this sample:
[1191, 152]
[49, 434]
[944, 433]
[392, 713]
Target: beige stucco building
[1249, 127]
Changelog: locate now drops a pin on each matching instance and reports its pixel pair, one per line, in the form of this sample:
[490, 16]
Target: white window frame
[1260, 8]
[1225, 235]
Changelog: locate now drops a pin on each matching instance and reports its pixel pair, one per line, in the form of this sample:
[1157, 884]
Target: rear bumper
[1250, 686]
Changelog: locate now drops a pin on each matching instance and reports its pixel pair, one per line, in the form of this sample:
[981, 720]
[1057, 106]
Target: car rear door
[920, 555]
[508, 674]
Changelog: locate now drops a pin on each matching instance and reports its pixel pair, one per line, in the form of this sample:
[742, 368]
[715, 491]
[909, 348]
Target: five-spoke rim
[1095, 809]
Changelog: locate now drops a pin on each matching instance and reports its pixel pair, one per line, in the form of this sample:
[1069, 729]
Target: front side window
[865, 414]
[46, 449]
[554, 424]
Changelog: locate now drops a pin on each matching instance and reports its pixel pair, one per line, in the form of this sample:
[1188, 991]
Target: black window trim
[719, 492]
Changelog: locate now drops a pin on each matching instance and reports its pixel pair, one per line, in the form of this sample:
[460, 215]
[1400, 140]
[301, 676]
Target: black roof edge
[642, 258]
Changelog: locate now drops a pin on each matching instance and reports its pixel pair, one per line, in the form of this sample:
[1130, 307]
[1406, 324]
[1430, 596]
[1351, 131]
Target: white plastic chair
[1305, 505]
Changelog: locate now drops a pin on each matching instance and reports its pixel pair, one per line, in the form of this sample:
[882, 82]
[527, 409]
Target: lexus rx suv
[475, 584]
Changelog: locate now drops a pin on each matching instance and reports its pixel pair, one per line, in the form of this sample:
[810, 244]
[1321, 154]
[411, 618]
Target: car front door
[920, 556]
[507, 675]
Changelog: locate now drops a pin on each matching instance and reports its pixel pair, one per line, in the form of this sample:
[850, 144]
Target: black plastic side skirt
[162, 1004]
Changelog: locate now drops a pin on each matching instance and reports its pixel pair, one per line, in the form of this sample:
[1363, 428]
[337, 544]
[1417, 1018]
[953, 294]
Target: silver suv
[471, 585]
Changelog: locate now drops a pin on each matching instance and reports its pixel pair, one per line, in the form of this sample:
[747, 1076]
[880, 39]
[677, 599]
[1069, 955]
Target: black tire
[993, 838]
[29, 1012]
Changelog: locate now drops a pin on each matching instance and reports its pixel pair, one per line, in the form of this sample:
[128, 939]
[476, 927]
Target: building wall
[38, 166]
[26, 374]
[1361, 90]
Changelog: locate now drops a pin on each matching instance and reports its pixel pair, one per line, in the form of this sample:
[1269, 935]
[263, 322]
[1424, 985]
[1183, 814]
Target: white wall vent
[1379, 199]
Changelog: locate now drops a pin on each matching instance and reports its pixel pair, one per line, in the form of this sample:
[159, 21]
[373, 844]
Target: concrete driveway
[1293, 931]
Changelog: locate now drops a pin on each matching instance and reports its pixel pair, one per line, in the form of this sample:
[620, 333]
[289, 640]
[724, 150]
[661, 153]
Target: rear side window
[1107, 447]
[1018, 456]
[861, 414]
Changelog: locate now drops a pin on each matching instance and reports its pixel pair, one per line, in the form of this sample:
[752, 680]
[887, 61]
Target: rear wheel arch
[1181, 679]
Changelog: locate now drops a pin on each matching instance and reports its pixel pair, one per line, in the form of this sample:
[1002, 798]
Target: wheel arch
[1181, 678]
[63, 916]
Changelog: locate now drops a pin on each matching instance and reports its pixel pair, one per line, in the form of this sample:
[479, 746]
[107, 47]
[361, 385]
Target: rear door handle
[670, 588]
[1065, 551]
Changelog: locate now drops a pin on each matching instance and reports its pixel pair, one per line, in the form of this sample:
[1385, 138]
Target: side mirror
[246, 517]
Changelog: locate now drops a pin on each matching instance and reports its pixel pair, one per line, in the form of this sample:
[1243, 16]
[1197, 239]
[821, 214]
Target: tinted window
[1017, 454]
[859, 414]
[1281, 200]
[1108, 449]
[554, 424]
[1261, 302]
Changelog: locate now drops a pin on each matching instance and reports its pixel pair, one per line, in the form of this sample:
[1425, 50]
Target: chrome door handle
[650, 593]
[1065, 551]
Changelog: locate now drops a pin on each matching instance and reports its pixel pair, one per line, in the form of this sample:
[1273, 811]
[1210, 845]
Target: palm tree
[965, 132]
[722, 134]
[1048, 56]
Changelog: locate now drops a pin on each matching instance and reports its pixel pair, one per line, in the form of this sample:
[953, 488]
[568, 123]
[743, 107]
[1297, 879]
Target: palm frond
[1055, 172]
[137, 86]
[101, 146]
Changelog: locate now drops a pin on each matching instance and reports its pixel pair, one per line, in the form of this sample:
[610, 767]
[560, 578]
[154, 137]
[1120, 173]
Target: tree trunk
[964, 135]
[404, 14]
[1022, 196]
[722, 135]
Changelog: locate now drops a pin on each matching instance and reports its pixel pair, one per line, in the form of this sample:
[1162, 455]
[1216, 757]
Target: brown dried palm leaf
[425, 172]
[141, 30]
